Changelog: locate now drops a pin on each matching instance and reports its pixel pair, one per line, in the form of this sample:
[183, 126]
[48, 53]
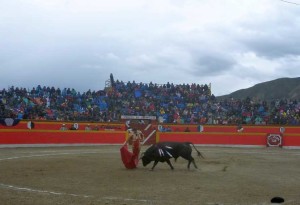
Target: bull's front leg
[169, 163]
[154, 164]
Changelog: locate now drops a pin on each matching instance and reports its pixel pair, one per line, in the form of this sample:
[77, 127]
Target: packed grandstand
[169, 103]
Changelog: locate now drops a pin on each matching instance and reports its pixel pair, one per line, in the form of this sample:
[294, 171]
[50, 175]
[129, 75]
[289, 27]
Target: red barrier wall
[292, 140]
[232, 128]
[19, 136]
[114, 133]
[55, 125]
[255, 135]
[216, 138]
[227, 139]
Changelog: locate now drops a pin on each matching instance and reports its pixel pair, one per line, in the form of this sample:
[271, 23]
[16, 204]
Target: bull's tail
[198, 152]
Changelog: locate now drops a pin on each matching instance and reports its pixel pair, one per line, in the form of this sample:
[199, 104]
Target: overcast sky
[232, 44]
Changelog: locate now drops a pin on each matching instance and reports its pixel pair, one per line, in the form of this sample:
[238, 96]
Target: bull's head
[146, 156]
[145, 159]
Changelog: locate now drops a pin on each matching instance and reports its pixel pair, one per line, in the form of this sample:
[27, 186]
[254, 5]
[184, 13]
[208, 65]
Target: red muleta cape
[129, 159]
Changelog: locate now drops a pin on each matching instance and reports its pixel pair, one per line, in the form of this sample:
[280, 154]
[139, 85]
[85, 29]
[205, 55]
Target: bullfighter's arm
[130, 136]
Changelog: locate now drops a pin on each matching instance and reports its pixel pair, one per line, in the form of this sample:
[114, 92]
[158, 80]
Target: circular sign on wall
[274, 140]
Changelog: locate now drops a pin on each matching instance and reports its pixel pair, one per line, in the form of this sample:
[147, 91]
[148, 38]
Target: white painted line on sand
[7, 186]
[45, 155]
[26, 189]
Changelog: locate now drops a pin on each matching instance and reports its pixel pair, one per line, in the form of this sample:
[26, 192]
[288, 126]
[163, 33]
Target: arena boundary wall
[48, 134]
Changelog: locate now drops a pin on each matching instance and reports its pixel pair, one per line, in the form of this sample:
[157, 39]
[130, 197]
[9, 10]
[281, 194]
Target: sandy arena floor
[95, 175]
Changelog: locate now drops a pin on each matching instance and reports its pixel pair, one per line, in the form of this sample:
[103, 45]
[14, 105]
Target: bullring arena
[95, 175]
[46, 166]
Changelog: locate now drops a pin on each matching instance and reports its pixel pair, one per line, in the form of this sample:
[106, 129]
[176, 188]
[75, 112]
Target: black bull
[163, 151]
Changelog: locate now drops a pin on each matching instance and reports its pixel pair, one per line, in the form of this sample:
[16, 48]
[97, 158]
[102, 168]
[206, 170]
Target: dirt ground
[93, 175]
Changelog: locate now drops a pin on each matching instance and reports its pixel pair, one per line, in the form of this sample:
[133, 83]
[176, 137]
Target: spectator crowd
[169, 103]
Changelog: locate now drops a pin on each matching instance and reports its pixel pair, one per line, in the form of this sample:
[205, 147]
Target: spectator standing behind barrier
[63, 127]
[187, 129]
[73, 127]
[240, 128]
[30, 125]
[96, 128]
[88, 127]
